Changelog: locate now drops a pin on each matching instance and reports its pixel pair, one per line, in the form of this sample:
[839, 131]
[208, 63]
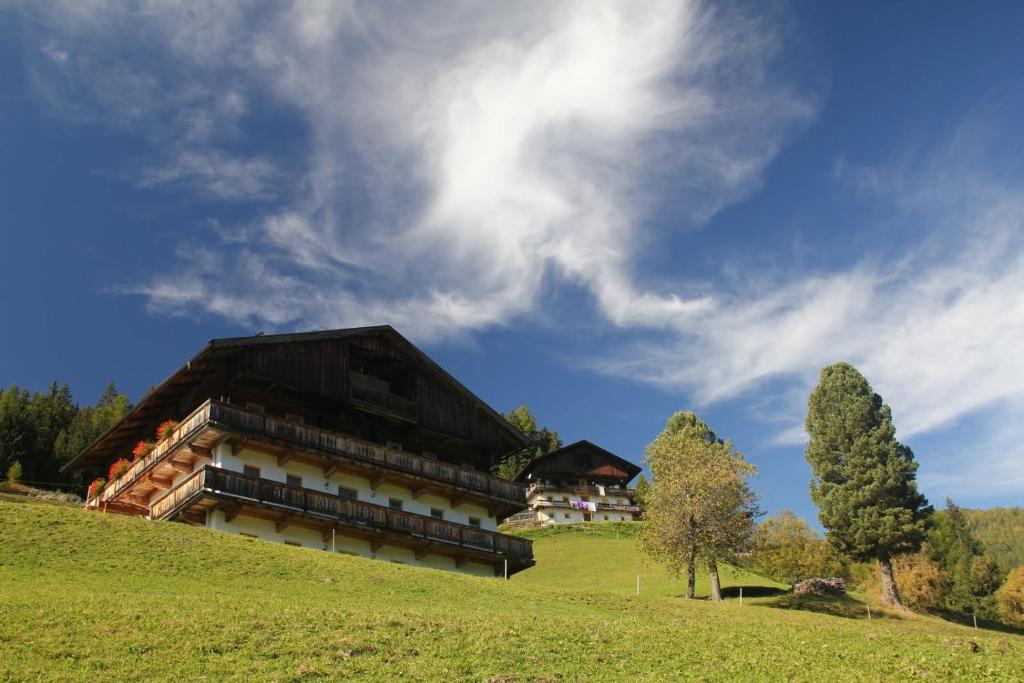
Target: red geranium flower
[119, 467]
[142, 449]
[96, 487]
[166, 429]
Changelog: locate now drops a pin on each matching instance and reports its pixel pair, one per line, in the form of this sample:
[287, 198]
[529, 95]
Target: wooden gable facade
[369, 382]
[582, 460]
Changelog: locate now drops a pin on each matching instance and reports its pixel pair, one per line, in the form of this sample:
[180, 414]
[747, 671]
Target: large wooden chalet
[580, 482]
[345, 440]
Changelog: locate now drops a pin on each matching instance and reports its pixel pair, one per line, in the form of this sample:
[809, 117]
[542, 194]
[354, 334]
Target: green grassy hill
[85, 596]
[604, 557]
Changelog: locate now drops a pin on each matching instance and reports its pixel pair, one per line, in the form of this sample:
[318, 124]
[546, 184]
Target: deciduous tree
[787, 549]
[699, 506]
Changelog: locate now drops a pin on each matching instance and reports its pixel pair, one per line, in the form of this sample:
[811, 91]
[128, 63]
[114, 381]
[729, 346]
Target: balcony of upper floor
[237, 493]
[598, 506]
[540, 487]
[215, 422]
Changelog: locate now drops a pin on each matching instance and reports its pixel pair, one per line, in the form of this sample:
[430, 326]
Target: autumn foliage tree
[864, 480]
[787, 549]
[699, 505]
[1010, 598]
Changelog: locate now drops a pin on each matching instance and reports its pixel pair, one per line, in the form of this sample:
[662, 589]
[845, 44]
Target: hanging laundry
[600, 489]
[592, 507]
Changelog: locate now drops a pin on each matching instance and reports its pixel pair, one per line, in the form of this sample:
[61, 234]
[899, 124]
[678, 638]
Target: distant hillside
[1002, 532]
[92, 597]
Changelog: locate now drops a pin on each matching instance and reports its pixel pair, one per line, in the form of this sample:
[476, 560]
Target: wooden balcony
[371, 394]
[605, 507]
[214, 422]
[540, 487]
[236, 493]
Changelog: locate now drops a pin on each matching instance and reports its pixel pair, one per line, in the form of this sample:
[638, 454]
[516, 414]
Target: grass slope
[605, 557]
[85, 596]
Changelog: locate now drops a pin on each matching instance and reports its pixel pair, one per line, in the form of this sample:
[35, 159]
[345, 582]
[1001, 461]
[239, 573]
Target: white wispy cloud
[458, 161]
[458, 157]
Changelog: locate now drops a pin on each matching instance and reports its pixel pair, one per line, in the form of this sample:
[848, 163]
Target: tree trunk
[716, 585]
[890, 593]
[691, 573]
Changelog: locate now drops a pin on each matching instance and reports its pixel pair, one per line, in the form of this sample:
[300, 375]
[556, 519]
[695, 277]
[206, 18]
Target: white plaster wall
[567, 515]
[313, 478]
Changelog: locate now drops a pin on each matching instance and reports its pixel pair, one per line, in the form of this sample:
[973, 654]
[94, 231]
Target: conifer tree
[864, 480]
[542, 441]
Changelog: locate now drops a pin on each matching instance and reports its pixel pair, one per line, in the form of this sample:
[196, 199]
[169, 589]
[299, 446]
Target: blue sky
[607, 211]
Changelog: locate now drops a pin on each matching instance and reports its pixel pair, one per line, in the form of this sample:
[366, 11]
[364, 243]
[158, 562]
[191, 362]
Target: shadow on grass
[835, 605]
[968, 620]
[752, 591]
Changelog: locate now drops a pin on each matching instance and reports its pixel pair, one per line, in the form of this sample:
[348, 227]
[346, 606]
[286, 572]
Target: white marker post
[741, 595]
[333, 549]
[638, 584]
[506, 569]
[975, 621]
[869, 611]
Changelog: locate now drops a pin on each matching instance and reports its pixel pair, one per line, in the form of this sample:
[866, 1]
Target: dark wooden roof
[188, 378]
[582, 460]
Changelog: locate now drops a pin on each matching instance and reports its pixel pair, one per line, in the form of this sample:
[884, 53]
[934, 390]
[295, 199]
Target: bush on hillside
[921, 582]
[788, 550]
[1010, 598]
[14, 472]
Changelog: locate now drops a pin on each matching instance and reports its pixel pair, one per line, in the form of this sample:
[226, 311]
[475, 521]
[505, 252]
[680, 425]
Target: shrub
[166, 429]
[787, 549]
[1010, 598]
[119, 467]
[920, 581]
[14, 472]
[142, 449]
[96, 487]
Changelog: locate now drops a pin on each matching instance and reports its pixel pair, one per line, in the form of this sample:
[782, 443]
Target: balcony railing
[192, 424]
[336, 509]
[540, 486]
[216, 412]
[614, 507]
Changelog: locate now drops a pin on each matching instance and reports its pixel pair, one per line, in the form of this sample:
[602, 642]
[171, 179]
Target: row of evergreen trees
[40, 432]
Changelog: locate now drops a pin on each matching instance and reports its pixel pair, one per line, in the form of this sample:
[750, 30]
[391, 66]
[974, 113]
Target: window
[436, 513]
[292, 480]
[474, 521]
[251, 471]
[347, 493]
[296, 543]
[395, 503]
[606, 518]
[566, 515]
